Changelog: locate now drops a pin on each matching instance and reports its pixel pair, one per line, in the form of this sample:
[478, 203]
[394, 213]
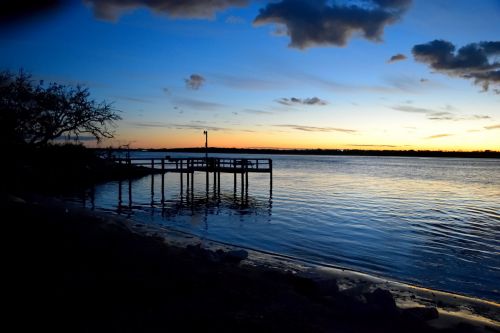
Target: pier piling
[191, 165]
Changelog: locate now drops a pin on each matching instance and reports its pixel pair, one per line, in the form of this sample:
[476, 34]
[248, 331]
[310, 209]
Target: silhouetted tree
[34, 114]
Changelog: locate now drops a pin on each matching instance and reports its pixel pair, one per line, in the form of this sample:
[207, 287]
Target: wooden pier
[188, 166]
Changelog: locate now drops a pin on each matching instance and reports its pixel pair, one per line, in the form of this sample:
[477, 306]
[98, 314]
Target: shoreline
[454, 306]
[330, 285]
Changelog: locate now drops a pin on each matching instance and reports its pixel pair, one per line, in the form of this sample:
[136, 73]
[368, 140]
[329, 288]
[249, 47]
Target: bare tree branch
[33, 114]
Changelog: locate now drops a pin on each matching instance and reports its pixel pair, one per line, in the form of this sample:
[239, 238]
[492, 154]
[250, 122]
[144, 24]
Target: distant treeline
[348, 152]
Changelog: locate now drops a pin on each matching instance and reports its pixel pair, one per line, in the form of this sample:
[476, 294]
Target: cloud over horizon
[302, 101]
[311, 23]
[437, 136]
[192, 125]
[195, 81]
[476, 61]
[316, 129]
[111, 10]
[497, 126]
[439, 115]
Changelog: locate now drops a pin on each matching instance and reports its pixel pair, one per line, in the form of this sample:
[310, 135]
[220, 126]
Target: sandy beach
[84, 271]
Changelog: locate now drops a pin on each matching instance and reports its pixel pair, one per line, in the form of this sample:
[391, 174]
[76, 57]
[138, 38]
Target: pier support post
[129, 162]
[152, 182]
[234, 167]
[271, 177]
[187, 175]
[192, 182]
[218, 182]
[119, 193]
[246, 178]
[182, 190]
[130, 192]
[215, 180]
[242, 183]
[162, 180]
[206, 169]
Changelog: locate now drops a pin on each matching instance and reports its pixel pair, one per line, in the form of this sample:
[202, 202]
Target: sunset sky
[363, 74]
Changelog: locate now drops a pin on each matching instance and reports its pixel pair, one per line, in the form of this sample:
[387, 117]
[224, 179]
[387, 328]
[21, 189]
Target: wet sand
[77, 270]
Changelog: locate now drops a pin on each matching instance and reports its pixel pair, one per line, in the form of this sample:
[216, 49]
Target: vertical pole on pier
[187, 176]
[192, 181]
[234, 168]
[214, 167]
[271, 177]
[119, 193]
[215, 176]
[181, 179]
[162, 180]
[246, 176]
[152, 181]
[218, 182]
[129, 182]
[242, 182]
[120, 185]
[206, 172]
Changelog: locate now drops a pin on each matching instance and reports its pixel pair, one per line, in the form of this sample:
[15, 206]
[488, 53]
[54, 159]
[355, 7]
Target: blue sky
[251, 86]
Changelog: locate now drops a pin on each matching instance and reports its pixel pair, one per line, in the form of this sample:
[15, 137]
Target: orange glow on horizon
[302, 140]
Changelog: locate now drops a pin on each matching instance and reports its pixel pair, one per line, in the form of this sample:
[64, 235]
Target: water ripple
[429, 221]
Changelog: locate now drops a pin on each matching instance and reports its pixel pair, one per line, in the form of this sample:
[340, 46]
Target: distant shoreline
[330, 152]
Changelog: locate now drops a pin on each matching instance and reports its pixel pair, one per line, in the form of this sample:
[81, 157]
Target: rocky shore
[78, 271]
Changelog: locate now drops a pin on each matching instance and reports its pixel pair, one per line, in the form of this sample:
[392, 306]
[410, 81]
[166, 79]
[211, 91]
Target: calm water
[429, 221]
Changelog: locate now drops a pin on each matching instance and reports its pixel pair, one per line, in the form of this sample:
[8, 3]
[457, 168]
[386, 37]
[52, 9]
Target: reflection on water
[429, 221]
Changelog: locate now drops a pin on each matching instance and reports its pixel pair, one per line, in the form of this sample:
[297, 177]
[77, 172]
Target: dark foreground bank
[78, 272]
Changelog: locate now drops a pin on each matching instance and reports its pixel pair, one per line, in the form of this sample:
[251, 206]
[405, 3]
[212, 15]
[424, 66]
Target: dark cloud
[195, 81]
[300, 101]
[113, 9]
[439, 115]
[397, 57]
[321, 22]
[395, 4]
[316, 129]
[14, 12]
[497, 126]
[475, 61]
[437, 136]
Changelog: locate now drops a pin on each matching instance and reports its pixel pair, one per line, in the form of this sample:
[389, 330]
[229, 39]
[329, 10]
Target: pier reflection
[189, 200]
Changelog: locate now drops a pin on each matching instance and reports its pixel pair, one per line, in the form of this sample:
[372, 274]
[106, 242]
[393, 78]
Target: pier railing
[188, 166]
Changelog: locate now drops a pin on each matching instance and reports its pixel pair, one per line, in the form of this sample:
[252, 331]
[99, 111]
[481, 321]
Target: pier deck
[188, 166]
[212, 164]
